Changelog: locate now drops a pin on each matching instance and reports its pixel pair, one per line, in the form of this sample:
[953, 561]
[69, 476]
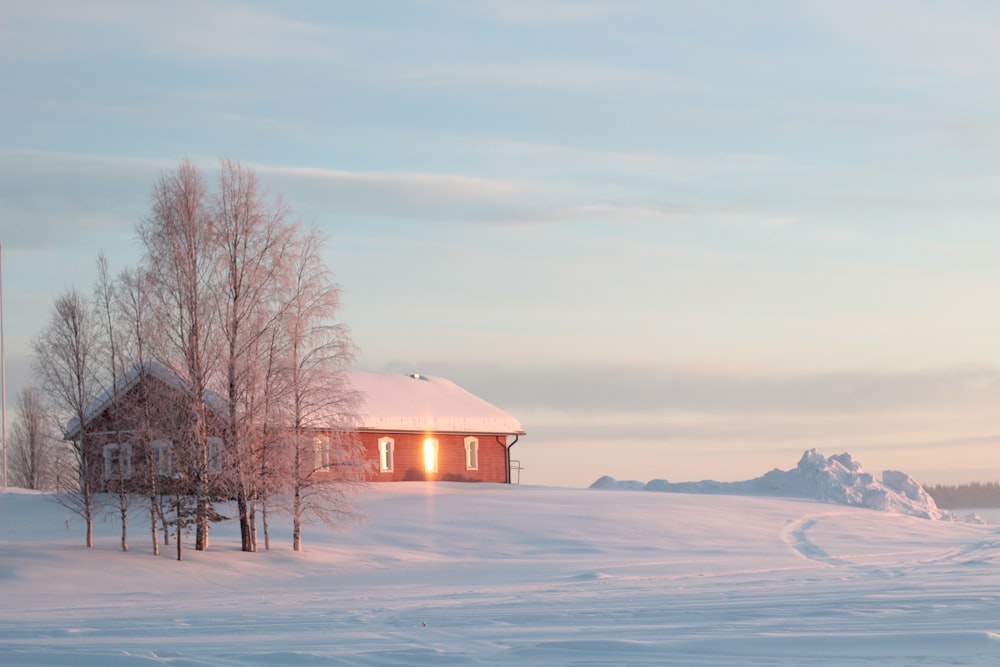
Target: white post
[3, 375]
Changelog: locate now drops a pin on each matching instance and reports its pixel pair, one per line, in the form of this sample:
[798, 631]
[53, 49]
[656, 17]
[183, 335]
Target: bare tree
[255, 241]
[65, 363]
[271, 459]
[34, 454]
[182, 264]
[231, 298]
[132, 307]
[327, 461]
[134, 311]
[111, 362]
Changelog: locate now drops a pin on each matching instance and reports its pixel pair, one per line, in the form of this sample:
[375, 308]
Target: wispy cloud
[640, 389]
[562, 186]
[536, 75]
[957, 39]
[105, 190]
[407, 196]
[226, 30]
[461, 197]
[57, 199]
[428, 185]
[551, 11]
[642, 422]
[553, 160]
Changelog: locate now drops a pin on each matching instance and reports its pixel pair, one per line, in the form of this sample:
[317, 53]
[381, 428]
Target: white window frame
[216, 449]
[386, 454]
[162, 463]
[123, 452]
[472, 453]
[321, 445]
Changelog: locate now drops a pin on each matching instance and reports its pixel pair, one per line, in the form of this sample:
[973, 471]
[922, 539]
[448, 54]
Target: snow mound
[608, 482]
[837, 480]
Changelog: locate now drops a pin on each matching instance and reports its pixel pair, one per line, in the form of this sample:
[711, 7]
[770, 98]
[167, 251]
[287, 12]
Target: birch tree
[182, 264]
[65, 363]
[255, 242]
[111, 364]
[34, 452]
[133, 308]
[322, 404]
[274, 469]
[233, 298]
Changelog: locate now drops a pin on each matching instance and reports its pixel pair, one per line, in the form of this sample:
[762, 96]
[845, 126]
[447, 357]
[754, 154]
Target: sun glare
[430, 455]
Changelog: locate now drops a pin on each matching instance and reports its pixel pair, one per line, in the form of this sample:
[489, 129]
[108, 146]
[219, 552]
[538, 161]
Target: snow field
[460, 574]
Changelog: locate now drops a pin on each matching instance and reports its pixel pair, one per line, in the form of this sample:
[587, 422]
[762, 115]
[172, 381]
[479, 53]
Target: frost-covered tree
[133, 311]
[272, 465]
[34, 452]
[112, 366]
[327, 459]
[235, 301]
[66, 364]
[182, 265]
[255, 241]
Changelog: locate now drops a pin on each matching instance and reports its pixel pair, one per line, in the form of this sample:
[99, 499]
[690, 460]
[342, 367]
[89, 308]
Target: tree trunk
[88, 500]
[163, 523]
[253, 524]
[179, 537]
[152, 525]
[124, 511]
[88, 513]
[244, 512]
[201, 521]
[297, 502]
[267, 528]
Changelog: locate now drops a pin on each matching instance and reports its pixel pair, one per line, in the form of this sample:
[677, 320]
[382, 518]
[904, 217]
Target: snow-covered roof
[213, 401]
[398, 402]
[390, 402]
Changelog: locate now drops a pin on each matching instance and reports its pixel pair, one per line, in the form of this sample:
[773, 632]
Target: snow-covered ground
[467, 574]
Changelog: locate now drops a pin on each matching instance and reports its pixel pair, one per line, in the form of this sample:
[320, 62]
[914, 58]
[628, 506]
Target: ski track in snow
[490, 575]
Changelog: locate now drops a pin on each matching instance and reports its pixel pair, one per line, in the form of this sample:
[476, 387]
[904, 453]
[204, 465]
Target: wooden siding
[408, 455]
[168, 416]
[124, 427]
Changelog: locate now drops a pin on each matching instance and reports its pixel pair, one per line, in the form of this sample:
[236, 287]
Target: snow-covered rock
[838, 480]
[609, 482]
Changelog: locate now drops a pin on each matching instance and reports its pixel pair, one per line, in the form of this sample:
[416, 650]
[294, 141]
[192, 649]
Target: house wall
[408, 454]
[122, 422]
[168, 417]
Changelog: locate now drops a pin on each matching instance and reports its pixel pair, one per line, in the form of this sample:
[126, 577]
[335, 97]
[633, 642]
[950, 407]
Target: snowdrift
[449, 574]
[837, 480]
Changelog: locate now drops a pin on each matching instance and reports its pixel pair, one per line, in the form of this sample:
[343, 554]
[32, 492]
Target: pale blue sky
[679, 240]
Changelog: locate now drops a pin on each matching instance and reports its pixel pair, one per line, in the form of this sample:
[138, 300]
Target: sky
[673, 239]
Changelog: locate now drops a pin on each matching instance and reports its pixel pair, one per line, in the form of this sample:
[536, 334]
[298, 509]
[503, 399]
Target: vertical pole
[3, 375]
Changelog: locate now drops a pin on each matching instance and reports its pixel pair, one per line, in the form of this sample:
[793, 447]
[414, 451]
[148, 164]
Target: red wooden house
[426, 427]
[412, 427]
[123, 452]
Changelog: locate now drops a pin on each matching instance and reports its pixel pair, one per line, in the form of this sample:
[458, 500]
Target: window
[385, 447]
[162, 463]
[117, 461]
[430, 455]
[322, 447]
[472, 453]
[215, 455]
